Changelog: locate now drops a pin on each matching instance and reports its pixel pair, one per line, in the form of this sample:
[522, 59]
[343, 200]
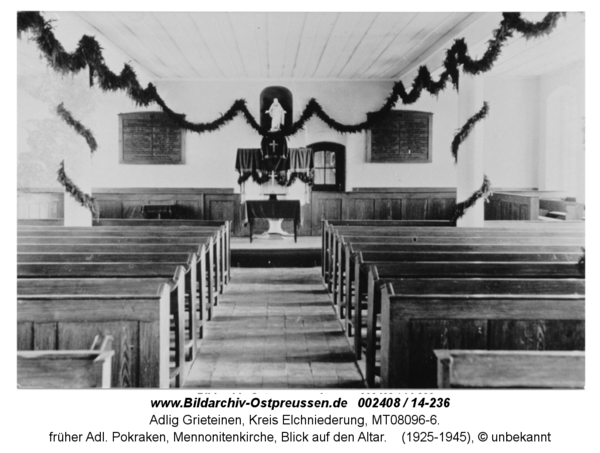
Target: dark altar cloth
[279, 209]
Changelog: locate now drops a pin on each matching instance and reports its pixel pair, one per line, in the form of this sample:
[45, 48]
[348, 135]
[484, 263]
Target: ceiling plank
[159, 42]
[411, 36]
[383, 32]
[293, 42]
[320, 41]
[181, 34]
[362, 27]
[262, 42]
[439, 43]
[341, 33]
[307, 40]
[221, 49]
[227, 36]
[244, 32]
[278, 25]
[125, 40]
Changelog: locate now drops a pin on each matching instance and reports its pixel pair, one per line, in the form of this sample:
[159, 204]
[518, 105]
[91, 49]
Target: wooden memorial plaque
[150, 138]
[402, 136]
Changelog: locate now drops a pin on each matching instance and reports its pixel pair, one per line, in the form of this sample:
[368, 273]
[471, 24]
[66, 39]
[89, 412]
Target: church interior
[300, 200]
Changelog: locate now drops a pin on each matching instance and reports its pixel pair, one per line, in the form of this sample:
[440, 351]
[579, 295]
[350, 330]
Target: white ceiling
[356, 46]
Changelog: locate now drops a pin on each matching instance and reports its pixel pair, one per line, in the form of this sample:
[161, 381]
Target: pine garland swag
[83, 198]
[464, 131]
[79, 128]
[485, 191]
[89, 54]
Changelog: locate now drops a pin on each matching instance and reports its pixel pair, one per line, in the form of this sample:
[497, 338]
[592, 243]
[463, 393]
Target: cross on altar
[273, 145]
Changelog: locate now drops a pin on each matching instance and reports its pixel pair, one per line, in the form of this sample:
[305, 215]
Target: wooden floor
[275, 328]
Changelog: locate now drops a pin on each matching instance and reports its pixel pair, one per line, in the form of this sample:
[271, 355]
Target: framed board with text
[150, 138]
[402, 136]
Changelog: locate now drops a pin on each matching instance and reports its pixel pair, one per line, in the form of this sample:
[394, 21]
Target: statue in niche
[277, 115]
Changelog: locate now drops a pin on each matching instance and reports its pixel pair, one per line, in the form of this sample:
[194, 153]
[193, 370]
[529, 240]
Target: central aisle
[274, 328]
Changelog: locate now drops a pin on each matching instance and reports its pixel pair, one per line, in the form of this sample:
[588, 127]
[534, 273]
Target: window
[329, 166]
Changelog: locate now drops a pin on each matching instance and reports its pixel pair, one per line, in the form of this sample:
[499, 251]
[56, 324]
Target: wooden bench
[338, 236]
[56, 314]
[327, 227]
[459, 368]
[220, 242]
[226, 244]
[382, 274]
[347, 246]
[417, 318]
[64, 369]
[175, 275]
[400, 227]
[354, 290]
[205, 268]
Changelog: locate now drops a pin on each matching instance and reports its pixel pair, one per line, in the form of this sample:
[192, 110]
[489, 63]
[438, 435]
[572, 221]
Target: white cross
[273, 145]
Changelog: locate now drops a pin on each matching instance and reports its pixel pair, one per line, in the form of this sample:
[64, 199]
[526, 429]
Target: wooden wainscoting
[201, 204]
[516, 204]
[224, 204]
[47, 203]
[383, 204]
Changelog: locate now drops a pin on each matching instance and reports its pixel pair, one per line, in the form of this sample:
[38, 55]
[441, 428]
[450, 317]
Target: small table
[159, 211]
[273, 209]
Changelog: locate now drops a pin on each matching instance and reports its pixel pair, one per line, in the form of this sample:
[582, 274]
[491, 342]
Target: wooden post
[470, 154]
[80, 173]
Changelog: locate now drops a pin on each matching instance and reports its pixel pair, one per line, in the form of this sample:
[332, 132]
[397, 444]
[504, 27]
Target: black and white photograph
[300, 200]
[349, 202]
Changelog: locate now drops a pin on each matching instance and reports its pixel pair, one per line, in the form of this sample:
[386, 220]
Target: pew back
[413, 325]
[66, 369]
[510, 369]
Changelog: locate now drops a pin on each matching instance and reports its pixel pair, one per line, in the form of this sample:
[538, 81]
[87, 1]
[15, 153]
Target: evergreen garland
[79, 128]
[306, 178]
[89, 54]
[464, 131]
[76, 192]
[483, 192]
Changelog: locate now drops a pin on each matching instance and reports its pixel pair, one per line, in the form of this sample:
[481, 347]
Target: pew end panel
[138, 324]
[77, 369]
[510, 369]
[455, 322]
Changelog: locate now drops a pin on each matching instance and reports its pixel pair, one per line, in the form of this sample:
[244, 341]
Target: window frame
[340, 166]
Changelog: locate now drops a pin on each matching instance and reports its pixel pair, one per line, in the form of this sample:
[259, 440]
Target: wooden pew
[548, 316]
[220, 243]
[455, 236]
[347, 245]
[459, 368]
[206, 277]
[40, 222]
[171, 273]
[185, 259]
[327, 227]
[226, 242]
[68, 313]
[355, 288]
[351, 273]
[65, 369]
[382, 274]
[341, 235]
[400, 227]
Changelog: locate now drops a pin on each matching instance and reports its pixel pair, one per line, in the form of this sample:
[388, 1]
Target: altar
[275, 211]
[265, 178]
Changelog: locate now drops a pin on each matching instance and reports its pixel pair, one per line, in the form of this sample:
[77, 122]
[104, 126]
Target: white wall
[561, 132]
[514, 130]
[511, 140]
